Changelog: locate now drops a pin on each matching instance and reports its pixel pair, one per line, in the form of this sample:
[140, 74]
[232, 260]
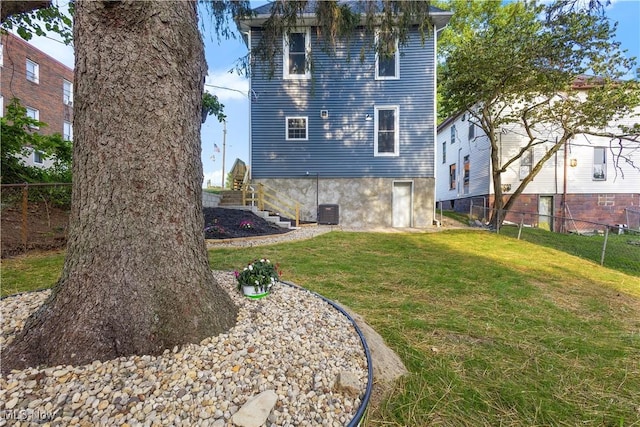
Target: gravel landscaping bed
[291, 342]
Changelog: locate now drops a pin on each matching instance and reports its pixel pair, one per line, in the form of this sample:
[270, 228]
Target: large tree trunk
[136, 278]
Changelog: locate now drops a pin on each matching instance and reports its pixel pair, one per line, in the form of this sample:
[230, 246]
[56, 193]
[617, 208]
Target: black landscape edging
[355, 421]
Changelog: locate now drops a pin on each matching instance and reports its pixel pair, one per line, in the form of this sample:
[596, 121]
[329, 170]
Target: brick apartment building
[43, 85]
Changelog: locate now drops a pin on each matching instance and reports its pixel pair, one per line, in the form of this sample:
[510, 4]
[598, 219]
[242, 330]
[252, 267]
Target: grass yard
[622, 251]
[494, 331]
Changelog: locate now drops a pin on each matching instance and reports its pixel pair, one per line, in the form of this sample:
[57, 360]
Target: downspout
[250, 162]
[435, 119]
[249, 95]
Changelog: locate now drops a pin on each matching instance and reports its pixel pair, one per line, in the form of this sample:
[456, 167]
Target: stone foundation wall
[362, 202]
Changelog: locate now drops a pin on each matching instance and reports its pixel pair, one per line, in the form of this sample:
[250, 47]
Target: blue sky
[232, 89]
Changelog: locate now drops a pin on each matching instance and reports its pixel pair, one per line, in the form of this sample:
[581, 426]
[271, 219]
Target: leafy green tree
[211, 106]
[36, 17]
[18, 137]
[514, 69]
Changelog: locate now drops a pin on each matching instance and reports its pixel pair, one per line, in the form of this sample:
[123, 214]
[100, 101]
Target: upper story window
[472, 130]
[599, 164]
[67, 131]
[33, 72]
[444, 152]
[453, 134]
[67, 92]
[297, 129]
[387, 138]
[34, 114]
[526, 164]
[387, 59]
[1, 55]
[1, 106]
[297, 45]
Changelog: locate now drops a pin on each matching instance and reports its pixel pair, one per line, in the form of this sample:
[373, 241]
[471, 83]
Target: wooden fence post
[25, 206]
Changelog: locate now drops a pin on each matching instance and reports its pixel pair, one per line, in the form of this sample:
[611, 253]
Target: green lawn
[494, 331]
[622, 251]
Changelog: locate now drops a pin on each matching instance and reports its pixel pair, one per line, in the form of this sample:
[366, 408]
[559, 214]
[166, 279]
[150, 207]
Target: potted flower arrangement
[257, 278]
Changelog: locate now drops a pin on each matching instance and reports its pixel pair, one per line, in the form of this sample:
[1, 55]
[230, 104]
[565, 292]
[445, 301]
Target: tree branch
[13, 7]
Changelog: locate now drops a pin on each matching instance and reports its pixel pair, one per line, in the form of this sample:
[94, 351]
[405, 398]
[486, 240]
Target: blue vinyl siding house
[357, 134]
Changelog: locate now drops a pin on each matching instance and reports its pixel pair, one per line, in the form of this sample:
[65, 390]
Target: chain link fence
[612, 245]
[34, 216]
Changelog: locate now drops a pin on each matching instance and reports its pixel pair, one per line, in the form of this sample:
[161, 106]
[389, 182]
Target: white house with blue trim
[354, 133]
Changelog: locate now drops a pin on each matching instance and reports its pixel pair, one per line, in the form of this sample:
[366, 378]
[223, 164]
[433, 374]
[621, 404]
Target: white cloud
[227, 86]
[215, 178]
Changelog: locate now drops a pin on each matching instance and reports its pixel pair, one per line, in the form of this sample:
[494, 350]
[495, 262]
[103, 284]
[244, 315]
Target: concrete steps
[267, 216]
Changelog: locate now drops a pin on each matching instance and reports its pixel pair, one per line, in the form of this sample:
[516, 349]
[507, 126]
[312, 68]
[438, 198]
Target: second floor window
[472, 130]
[444, 152]
[599, 164]
[297, 45]
[33, 72]
[297, 129]
[67, 92]
[34, 114]
[67, 131]
[453, 134]
[387, 59]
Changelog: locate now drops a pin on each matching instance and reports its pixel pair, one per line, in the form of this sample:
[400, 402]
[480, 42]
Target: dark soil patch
[223, 223]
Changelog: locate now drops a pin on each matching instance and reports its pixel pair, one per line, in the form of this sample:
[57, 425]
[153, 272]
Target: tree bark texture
[136, 278]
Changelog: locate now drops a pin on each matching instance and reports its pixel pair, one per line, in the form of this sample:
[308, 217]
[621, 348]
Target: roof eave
[439, 19]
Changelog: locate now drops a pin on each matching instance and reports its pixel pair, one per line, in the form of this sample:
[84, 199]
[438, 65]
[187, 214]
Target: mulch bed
[47, 227]
[223, 223]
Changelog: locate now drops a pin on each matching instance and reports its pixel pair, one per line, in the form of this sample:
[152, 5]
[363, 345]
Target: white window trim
[36, 116]
[36, 72]
[453, 178]
[37, 154]
[396, 142]
[67, 100]
[1, 55]
[604, 164]
[285, 55]
[64, 125]
[397, 61]
[1, 106]
[286, 128]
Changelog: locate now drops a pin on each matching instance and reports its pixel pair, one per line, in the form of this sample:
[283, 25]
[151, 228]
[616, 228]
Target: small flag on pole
[216, 148]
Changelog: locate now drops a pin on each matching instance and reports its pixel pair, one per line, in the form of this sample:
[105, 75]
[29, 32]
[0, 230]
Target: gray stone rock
[255, 412]
[387, 365]
[348, 384]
